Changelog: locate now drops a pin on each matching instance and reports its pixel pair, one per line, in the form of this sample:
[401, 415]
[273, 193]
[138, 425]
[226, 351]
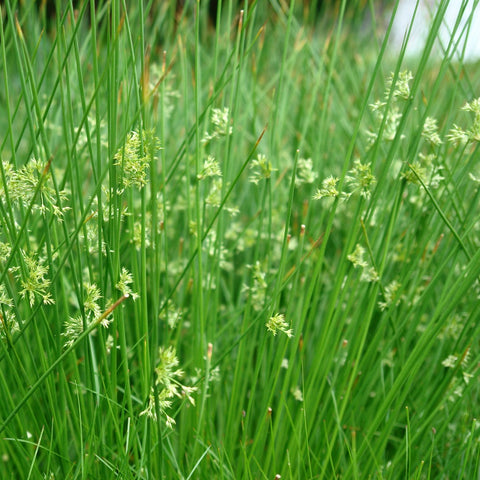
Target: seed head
[328, 189]
[277, 323]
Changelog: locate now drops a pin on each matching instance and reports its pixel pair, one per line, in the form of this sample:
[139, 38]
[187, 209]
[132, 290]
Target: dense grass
[220, 258]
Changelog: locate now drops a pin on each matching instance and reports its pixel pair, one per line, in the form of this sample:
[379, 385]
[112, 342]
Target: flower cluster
[92, 313]
[214, 196]
[359, 180]
[401, 88]
[33, 184]
[328, 189]
[387, 114]
[424, 171]
[277, 323]
[262, 169]
[211, 168]
[167, 386]
[221, 122]
[135, 157]
[391, 296]
[357, 257]
[74, 326]
[430, 131]
[305, 173]
[390, 126]
[458, 135]
[459, 383]
[171, 314]
[8, 322]
[124, 282]
[34, 280]
[258, 290]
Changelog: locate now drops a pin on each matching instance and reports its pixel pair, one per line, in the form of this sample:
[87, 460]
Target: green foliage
[245, 247]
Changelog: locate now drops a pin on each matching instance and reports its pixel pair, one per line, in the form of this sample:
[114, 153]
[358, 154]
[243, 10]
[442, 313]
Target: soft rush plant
[244, 246]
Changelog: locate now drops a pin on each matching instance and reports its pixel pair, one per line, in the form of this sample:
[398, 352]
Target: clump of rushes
[327, 322]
